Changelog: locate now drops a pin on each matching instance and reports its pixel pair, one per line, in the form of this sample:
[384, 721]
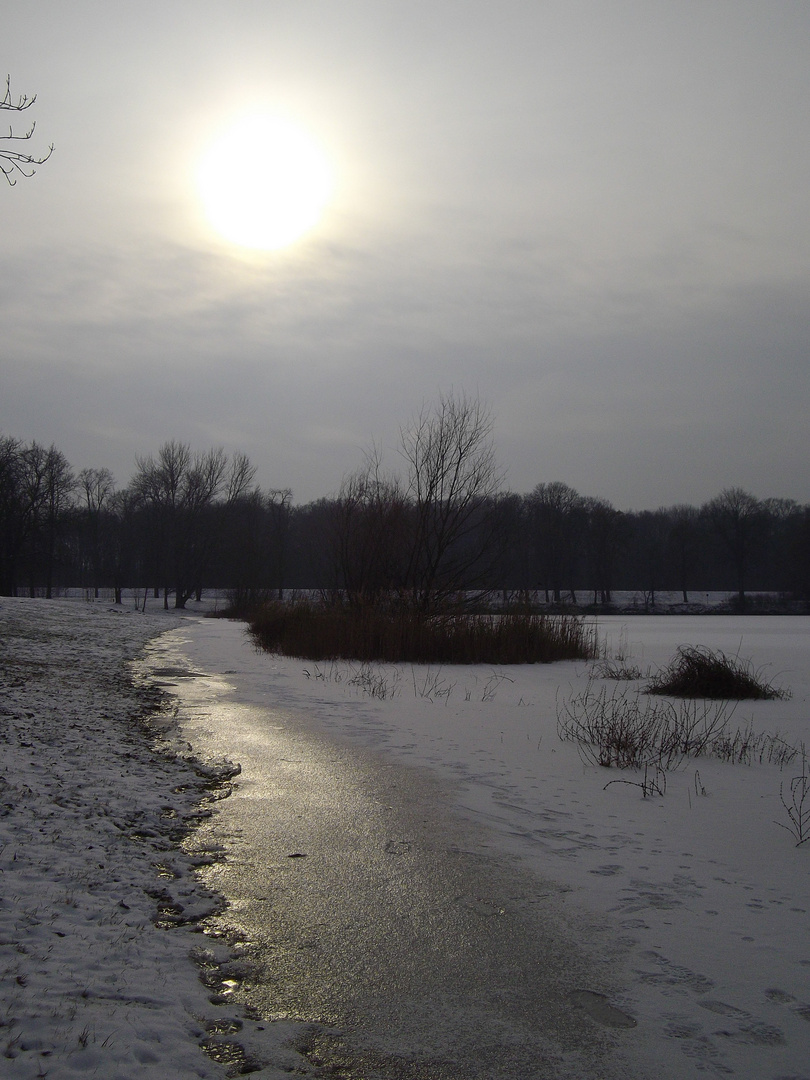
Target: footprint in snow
[748, 1031]
[598, 1007]
[782, 997]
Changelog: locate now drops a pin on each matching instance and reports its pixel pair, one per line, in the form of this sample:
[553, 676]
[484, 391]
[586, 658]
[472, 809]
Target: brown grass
[625, 729]
[340, 632]
[701, 673]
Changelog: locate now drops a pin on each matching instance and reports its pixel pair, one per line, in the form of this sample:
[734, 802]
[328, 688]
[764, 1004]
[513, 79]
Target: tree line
[437, 526]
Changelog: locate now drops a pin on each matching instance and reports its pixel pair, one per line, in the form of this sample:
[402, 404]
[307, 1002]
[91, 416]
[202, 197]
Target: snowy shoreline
[702, 888]
[101, 972]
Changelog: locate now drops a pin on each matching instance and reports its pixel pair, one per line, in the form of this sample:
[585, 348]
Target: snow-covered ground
[92, 812]
[703, 888]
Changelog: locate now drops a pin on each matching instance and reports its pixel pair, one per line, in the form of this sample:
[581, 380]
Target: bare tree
[604, 534]
[738, 520]
[177, 488]
[369, 526]
[684, 542]
[798, 552]
[18, 162]
[14, 512]
[782, 517]
[513, 564]
[278, 505]
[556, 515]
[47, 486]
[34, 467]
[452, 480]
[241, 475]
[36, 485]
[97, 487]
[651, 530]
[60, 483]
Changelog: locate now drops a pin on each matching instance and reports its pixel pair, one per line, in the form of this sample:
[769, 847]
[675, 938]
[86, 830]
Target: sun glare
[265, 183]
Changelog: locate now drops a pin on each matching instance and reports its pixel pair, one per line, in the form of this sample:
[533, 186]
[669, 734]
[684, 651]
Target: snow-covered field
[703, 888]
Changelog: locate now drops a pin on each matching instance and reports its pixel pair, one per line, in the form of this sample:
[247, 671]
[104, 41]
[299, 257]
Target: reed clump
[698, 672]
[342, 631]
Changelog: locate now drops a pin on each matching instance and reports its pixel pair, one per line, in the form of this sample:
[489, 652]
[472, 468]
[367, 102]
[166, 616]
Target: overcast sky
[591, 213]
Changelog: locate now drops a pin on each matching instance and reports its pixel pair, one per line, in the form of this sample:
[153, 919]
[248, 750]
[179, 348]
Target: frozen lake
[693, 906]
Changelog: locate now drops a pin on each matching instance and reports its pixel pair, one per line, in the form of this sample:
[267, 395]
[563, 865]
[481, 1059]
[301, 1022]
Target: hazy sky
[592, 213]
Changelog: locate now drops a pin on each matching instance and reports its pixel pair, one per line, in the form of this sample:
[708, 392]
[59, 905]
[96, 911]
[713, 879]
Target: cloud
[596, 221]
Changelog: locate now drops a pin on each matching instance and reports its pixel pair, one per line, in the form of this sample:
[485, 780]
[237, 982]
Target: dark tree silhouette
[738, 520]
[15, 513]
[604, 535]
[451, 483]
[652, 530]
[684, 545]
[370, 525]
[177, 489]
[59, 484]
[97, 488]
[557, 516]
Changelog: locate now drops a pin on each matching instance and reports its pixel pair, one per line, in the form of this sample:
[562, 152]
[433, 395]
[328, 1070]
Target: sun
[265, 183]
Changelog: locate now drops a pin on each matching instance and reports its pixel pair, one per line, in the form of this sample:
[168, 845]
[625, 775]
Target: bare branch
[14, 163]
[452, 479]
[23, 101]
[240, 476]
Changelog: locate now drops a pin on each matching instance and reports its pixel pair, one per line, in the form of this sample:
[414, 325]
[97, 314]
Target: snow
[92, 812]
[703, 889]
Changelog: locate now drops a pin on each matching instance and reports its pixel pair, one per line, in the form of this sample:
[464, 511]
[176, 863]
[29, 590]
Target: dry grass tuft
[624, 729]
[700, 673]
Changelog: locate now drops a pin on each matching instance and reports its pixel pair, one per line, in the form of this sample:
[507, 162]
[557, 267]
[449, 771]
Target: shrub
[370, 632]
[625, 730]
[243, 603]
[700, 673]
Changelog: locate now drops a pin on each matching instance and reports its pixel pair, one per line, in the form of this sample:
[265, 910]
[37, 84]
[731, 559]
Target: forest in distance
[190, 521]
